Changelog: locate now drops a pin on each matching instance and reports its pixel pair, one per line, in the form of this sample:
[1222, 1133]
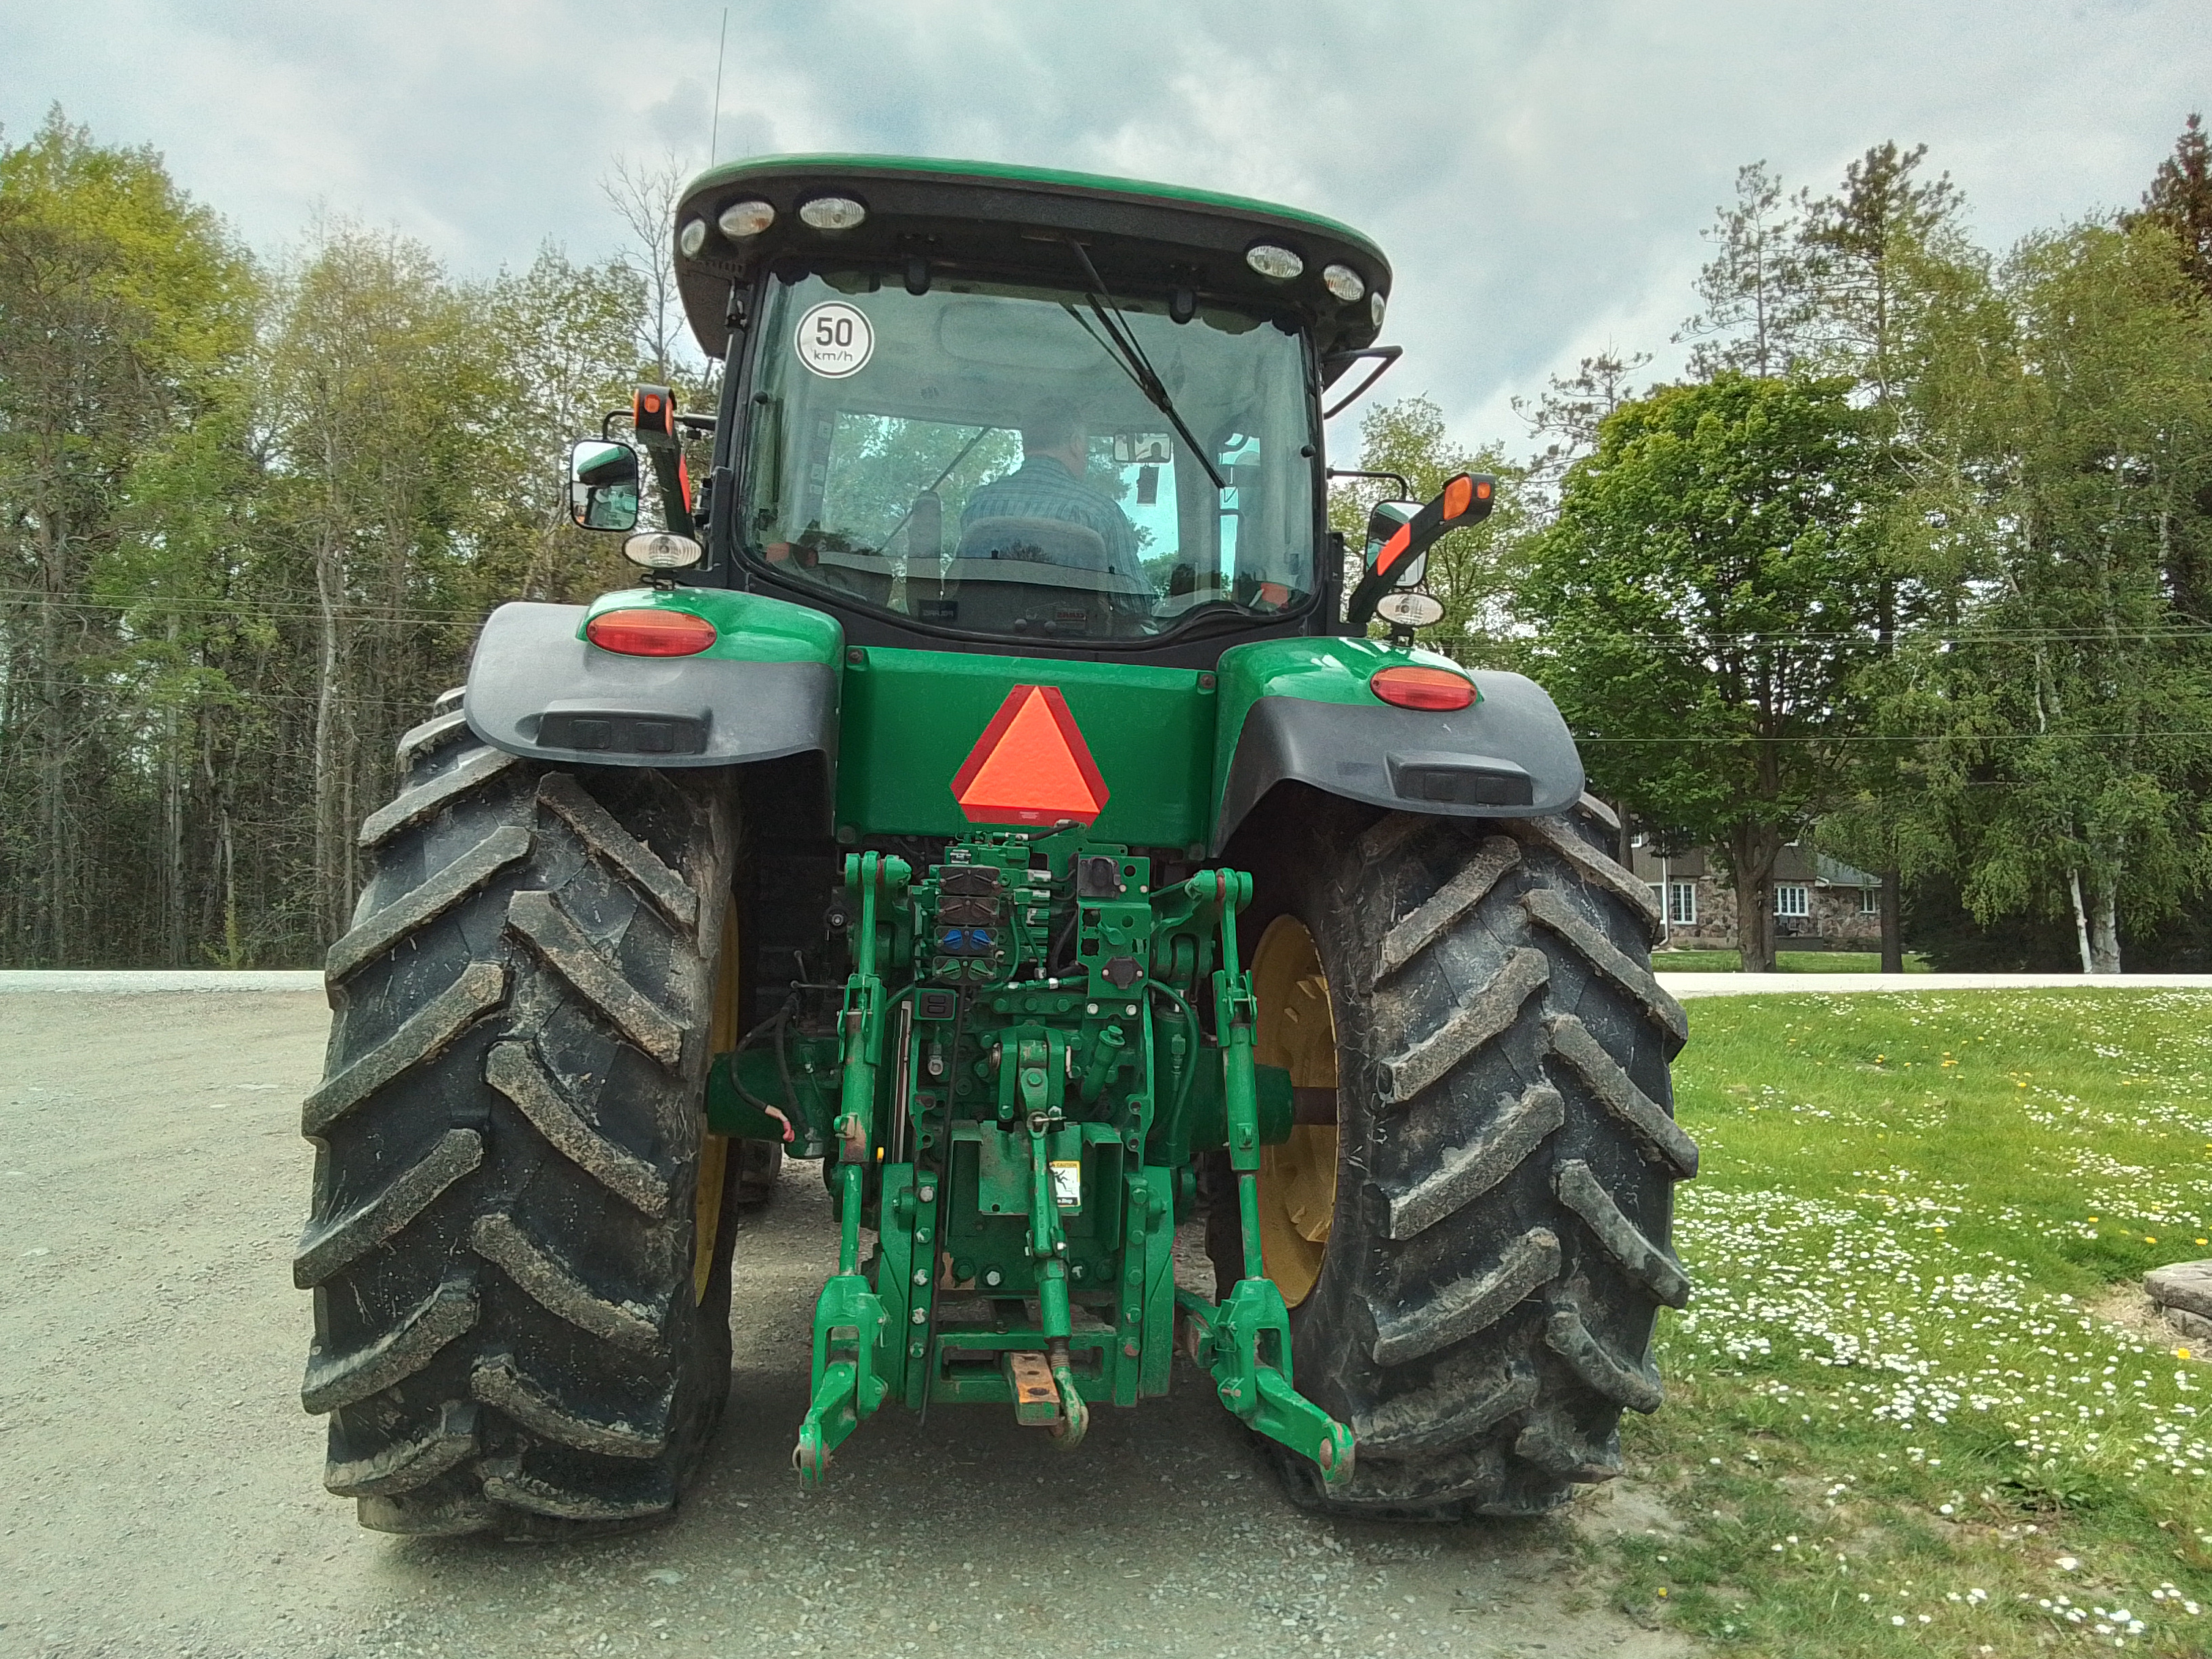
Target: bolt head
[926, 1194]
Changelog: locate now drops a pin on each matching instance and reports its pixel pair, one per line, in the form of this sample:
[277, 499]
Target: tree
[1702, 607]
[2078, 700]
[2179, 201]
[562, 338]
[1570, 411]
[1879, 264]
[122, 301]
[1758, 308]
[378, 374]
[644, 195]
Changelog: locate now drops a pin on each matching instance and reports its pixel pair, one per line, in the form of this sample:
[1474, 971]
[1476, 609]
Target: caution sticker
[835, 340]
[1067, 1184]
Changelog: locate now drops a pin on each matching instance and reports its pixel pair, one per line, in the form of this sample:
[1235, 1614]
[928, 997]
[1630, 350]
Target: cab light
[748, 218]
[651, 632]
[831, 213]
[1278, 264]
[1411, 687]
[692, 237]
[1345, 283]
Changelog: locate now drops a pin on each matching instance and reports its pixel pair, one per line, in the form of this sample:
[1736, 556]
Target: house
[1821, 904]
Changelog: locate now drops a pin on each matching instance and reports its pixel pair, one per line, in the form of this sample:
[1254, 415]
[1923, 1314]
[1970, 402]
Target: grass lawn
[1895, 1424]
[1788, 962]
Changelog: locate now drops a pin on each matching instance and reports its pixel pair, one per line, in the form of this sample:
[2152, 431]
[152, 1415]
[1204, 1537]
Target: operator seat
[1045, 577]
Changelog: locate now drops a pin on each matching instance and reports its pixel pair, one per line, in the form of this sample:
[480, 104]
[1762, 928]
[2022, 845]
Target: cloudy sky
[1538, 170]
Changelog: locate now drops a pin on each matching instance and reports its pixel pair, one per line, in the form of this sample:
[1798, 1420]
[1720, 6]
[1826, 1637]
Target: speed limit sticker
[835, 340]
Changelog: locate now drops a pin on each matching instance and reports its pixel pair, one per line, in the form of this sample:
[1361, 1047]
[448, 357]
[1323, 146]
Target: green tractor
[996, 794]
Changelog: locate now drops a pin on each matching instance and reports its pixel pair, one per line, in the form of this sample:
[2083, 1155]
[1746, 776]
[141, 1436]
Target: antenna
[714, 126]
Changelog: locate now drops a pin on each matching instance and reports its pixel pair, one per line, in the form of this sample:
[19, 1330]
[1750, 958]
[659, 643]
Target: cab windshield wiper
[1121, 344]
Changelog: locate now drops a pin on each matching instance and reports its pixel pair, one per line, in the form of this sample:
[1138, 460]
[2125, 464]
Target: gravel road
[159, 1484]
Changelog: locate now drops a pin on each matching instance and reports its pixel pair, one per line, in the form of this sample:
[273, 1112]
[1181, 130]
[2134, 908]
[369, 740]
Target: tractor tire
[519, 1242]
[1504, 1155]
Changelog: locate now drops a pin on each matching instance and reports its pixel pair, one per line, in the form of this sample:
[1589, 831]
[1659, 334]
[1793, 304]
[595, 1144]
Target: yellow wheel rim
[1297, 1179]
[713, 1149]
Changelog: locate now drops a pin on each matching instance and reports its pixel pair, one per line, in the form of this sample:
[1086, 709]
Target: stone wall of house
[1835, 921]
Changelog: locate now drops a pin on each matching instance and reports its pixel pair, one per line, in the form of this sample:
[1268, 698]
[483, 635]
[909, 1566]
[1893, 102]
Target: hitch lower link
[1243, 1342]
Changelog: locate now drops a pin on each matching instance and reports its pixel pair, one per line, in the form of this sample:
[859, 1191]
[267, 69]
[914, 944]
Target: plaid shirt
[1043, 488]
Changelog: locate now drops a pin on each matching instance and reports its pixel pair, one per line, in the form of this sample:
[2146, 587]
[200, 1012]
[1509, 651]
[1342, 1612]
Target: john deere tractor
[1005, 790]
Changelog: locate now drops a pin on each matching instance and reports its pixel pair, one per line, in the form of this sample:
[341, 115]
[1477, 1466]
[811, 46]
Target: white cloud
[1538, 172]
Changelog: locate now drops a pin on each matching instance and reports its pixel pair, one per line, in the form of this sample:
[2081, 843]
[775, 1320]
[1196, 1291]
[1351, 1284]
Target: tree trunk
[1753, 848]
[329, 825]
[2104, 927]
[1892, 924]
[2080, 920]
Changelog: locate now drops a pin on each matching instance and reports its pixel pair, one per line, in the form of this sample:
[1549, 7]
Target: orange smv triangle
[1032, 765]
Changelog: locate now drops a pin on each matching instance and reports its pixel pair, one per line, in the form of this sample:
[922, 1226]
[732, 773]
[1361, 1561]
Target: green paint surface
[778, 166]
[748, 626]
[1329, 668]
[910, 718]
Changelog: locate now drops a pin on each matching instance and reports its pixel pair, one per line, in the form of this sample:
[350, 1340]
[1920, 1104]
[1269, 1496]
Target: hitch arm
[1246, 1341]
[849, 1318]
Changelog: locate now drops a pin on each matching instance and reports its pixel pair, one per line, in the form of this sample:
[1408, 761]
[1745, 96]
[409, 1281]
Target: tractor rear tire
[520, 1243]
[1506, 1155]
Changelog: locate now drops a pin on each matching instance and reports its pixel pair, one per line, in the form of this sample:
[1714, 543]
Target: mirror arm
[1405, 490]
[1384, 356]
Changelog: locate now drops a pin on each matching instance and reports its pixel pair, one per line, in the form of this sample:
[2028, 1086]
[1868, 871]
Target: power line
[1961, 737]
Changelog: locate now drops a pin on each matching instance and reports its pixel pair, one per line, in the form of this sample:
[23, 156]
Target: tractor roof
[984, 219]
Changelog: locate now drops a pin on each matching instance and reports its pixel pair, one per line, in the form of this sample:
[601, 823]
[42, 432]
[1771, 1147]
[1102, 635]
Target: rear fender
[1300, 711]
[767, 687]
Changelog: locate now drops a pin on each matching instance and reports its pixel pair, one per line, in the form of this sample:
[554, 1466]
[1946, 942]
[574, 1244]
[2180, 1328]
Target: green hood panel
[911, 717]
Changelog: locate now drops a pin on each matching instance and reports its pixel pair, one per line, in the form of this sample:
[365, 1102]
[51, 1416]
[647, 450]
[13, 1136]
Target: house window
[1682, 904]
[1791, 898]
[1869, 901]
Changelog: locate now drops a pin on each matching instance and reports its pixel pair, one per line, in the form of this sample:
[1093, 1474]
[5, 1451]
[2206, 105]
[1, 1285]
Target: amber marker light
[650, 633]
[1410, 686]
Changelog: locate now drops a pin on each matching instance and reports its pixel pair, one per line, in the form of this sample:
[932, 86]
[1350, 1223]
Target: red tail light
[650, 633]
[1411, 687]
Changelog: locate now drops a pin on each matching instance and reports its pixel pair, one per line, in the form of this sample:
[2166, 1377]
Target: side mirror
[603, 477]
[1398, 543]
[1384, 521]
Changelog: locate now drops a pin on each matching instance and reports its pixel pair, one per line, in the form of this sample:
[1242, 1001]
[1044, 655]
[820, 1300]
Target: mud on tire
[511, 1333]
[1507, 1158]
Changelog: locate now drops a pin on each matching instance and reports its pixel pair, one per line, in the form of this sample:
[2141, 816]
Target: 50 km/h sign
[835, 340]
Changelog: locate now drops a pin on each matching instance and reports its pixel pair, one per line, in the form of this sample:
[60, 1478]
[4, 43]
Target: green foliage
[249, 520]
[2179, 201]
[1700, 607]
[2069, 718]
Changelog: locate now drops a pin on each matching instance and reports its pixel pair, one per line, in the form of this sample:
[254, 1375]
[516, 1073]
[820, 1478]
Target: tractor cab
[1028, 410]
